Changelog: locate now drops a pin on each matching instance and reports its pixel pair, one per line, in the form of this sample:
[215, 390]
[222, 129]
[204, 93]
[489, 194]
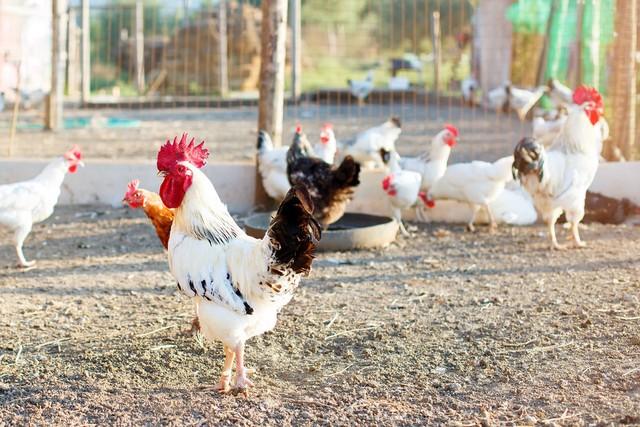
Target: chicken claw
[224, 386]
[243, 383]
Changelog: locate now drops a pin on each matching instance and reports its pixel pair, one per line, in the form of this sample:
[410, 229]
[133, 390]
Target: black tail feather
[295, 231]
[347, 174]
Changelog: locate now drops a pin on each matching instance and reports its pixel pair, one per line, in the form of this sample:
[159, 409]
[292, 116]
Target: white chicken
[365, 148]
[25, 203]
[361, 88]
[521, 100]
[272, 165]
[402, 187]
[327, 147]
[561, 95]
[239, 283]
[476, 183]
[432, 164]
[558, 179]
[469, 88]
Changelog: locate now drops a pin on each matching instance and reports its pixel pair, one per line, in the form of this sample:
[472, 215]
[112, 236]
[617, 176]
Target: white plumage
[237, 281]
[365, 148]
[558, 179]
[433, 163]
[402, 187]
[477, 183]
[361, 88]
[25, 203]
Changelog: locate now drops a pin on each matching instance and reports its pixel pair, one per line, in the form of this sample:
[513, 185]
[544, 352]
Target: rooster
[558, 179]
[161, 216]
[476, 183]
[25, 203]
[432, 164]
[402, 187]
[239, 283]
[365, 148]
[327, 147]
[330, 187]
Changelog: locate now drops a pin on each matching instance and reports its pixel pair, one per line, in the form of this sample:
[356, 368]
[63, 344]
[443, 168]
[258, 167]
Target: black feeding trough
[352, 231]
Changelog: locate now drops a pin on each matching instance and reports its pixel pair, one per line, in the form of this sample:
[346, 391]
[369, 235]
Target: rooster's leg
[21, 234]
[551, 223]
[397, 214]
[242, 380]
[576, 235]
[225, 377]
[492, 221]
[474, 212]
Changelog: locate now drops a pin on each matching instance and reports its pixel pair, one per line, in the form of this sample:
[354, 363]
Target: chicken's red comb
[451, 128]
[585, 93]
[386, 182]
[132, 187]
[74, 152]
[172, 153]
[298, 128]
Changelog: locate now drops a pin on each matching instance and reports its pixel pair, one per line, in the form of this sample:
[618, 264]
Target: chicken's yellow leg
[225, 377]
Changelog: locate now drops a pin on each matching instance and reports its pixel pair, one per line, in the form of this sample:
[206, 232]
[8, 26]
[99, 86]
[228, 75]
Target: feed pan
[352, 231]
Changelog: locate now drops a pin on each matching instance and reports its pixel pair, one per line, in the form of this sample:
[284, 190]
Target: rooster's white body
[558, 179]
[238, 284]
[365, 149]
[477, 183]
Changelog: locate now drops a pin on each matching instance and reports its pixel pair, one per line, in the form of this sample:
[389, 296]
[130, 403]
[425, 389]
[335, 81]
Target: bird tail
[528, 157]
[347, 174]
[294, 232]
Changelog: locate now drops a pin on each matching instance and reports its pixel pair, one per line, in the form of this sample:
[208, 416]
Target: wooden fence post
[296, 47]
[139, 40]
[622, 90]
[271, 103]
[223, 67]
[53, 120]
[85, 55]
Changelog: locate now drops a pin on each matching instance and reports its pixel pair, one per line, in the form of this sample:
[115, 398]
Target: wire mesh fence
[427, 61]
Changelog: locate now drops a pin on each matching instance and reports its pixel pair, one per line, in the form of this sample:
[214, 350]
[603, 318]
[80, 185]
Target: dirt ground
[445, 327]
[231, 132]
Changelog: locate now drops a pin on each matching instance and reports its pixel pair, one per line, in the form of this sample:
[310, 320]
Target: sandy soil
[231, 132]
[446, 327]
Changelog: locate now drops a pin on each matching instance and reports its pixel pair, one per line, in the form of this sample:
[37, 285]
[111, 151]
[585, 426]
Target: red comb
[171, 153]
[386, 182]
[132, 187]
[75, 152]
[298, 128]
[452, 129]
[585, 93]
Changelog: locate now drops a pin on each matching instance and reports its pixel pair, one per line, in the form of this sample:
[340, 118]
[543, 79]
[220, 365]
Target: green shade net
[532, 17]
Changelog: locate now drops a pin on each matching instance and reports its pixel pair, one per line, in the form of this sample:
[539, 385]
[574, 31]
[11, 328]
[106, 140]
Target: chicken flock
[239, 284]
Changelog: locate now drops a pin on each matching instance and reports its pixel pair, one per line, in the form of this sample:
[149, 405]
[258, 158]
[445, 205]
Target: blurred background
[131, 73]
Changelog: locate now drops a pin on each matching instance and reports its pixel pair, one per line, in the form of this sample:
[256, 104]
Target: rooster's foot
[26, 264]
[471, 228]
[558, 247]
[224, 386]
[243, 383]
[579, 244]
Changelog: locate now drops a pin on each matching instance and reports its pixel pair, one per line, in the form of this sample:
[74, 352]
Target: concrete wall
[104, 181]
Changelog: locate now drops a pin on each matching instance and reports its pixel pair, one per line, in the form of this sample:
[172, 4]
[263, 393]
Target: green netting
[532, 17]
